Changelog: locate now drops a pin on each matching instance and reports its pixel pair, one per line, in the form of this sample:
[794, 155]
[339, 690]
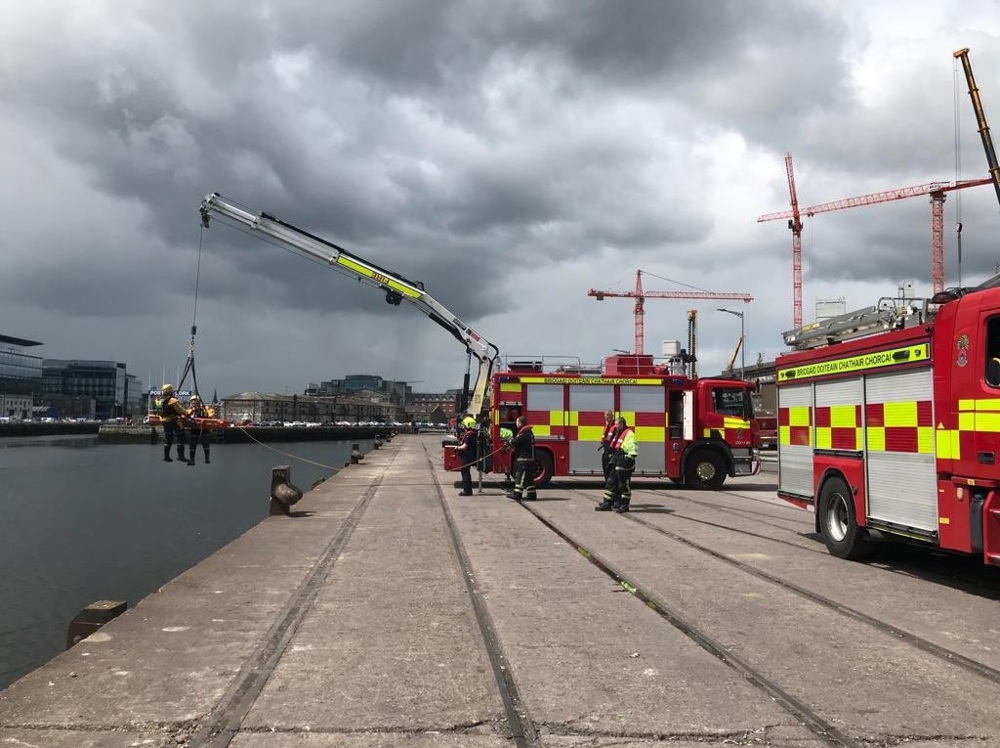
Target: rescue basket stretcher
[205, 424]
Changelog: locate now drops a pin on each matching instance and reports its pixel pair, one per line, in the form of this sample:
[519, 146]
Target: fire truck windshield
[731, 401]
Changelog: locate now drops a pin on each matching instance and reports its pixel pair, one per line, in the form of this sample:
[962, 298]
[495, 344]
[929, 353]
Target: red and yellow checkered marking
[795, 426]
[588, 425]
[734, 430]
[838, 427]
[973, 416]
[900, 427]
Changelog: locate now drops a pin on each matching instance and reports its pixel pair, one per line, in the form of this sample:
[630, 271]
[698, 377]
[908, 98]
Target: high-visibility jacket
[172, 408]
[626, 442]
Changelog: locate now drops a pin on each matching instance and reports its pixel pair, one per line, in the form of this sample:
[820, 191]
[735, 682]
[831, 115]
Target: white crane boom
[396, 287]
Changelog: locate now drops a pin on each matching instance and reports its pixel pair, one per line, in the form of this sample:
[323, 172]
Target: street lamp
[743, 340]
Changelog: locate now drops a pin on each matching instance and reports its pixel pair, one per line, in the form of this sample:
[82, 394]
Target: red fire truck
[889, 423]
[695, 432]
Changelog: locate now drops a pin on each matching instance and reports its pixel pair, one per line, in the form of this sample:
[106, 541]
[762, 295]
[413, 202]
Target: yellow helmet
[167, 389]
[195, 398]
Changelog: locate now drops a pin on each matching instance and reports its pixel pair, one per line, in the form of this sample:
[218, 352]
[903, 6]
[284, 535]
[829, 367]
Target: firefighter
[618, 489]
[468, 448]
[173, 414]
[523, 445]
[198, 432]
[610, 426]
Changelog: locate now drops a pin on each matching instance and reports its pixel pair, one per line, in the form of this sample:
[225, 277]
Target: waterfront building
[20, 377]
[363, 406]
[104, 381]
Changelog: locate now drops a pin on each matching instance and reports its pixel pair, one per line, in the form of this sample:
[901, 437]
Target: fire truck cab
[695, 432]
[889, 423]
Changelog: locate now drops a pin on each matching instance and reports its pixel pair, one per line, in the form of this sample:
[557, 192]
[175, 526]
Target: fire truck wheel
[838, 524]
[705, 470]
[543, 468]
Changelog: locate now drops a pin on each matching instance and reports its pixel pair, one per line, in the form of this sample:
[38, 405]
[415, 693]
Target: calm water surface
[82, 521]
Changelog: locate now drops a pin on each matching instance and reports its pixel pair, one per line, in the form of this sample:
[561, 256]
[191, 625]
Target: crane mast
[795, 224]
[396, 287]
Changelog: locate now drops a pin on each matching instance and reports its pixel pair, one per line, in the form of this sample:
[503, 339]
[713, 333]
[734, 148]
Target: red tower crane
[937, 192]
[640, 297]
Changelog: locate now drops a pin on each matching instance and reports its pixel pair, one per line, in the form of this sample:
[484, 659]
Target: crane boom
[984, 130]
[877, 197]
[396, 287]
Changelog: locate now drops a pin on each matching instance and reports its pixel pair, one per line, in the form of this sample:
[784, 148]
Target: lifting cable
[956, 94]
[189, 364]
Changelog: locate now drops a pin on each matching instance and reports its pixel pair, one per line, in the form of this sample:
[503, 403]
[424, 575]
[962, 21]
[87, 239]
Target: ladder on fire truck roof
[888, 314]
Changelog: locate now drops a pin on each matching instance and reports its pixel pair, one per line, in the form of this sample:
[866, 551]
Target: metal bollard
[283, 493]
[92, 617]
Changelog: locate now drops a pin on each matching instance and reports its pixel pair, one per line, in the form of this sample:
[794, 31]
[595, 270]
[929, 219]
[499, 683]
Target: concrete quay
[390, 612]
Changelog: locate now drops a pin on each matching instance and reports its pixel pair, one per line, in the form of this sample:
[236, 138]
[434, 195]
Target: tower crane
[937, 192]
[640, 297]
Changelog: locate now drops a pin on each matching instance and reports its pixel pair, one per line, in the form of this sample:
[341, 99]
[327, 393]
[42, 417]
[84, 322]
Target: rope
[285, 454]
[479, 460]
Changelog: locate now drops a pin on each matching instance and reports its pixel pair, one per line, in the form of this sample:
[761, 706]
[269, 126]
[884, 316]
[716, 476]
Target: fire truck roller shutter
[837, 415]
[899, 447]
[547, 416]
[587, 403]
[795, 439]
[645, 410]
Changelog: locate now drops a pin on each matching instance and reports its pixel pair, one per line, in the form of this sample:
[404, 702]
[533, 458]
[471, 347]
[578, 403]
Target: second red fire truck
[889, 423]
[695, 432]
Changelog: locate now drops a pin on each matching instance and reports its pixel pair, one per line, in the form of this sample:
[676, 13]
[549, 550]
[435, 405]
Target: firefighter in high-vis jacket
[624, 450]
[173, 415]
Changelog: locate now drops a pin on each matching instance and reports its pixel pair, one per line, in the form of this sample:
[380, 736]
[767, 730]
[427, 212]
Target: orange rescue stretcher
[205, 424]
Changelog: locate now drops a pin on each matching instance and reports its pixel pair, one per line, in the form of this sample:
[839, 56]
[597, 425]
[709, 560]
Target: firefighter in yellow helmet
[173, 413]
[199, 434]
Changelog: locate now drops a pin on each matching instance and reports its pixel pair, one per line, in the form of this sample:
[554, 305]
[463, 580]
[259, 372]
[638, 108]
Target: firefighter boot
[191, 453]
[166, 454]
[206, 456]
[605, 506]
[620, 506]
[180, 453]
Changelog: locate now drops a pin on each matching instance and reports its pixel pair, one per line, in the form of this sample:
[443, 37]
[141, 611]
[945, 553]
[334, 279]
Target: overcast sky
[510, 155]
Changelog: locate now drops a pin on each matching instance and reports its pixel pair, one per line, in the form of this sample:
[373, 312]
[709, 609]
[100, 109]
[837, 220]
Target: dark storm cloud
[464, 143]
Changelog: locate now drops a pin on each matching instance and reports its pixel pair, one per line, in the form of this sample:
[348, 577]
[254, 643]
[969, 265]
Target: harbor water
[83, 521]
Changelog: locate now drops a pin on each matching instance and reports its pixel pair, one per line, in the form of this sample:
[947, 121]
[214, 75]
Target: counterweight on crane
[640, 297]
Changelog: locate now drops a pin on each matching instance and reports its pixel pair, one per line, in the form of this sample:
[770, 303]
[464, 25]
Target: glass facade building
[104, 381]
[20, 377]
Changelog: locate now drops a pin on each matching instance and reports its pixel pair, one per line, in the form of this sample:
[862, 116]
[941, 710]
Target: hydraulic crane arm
[736, 352]
[396, 287]
[984, 130]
